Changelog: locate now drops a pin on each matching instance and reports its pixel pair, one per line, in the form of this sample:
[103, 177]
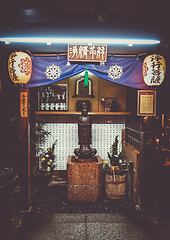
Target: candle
[162, 120]
[157, 143]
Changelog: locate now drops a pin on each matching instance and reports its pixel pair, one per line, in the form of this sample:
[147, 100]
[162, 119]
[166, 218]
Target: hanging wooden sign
[23, 104]
[85, 52]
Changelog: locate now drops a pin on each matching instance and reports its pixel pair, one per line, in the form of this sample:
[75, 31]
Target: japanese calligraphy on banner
[85, 52]
[23, 104]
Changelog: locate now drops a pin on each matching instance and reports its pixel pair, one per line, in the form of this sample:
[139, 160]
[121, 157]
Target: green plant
[39, 136]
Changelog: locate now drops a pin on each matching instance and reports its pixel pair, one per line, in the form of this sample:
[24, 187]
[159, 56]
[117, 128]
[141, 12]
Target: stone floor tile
[117, 231]
[106, 217]
[57, 231]
[69, 218]
[58, 217]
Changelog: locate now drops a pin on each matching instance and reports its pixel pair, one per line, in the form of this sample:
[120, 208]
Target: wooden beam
[24, 172]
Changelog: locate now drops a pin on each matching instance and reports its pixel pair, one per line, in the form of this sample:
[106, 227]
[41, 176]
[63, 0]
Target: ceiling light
[117, 41]
[130, 44]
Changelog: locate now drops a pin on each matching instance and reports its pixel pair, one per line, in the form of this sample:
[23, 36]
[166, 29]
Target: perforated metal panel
[103, 135]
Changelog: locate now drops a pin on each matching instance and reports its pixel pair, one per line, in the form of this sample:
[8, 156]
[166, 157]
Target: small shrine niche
[81, 90]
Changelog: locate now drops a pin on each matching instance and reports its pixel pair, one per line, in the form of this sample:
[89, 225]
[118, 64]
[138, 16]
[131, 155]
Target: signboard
[85, 52]
[23, 104]
[146, 103]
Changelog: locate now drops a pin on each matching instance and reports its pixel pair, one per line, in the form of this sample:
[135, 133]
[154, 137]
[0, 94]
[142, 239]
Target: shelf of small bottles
[53, 98]
[78, 113]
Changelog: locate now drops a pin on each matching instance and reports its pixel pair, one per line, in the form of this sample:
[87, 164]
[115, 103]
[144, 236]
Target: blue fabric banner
[125, 71]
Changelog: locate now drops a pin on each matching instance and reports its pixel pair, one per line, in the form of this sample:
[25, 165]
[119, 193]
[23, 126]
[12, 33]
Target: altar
[84, 180]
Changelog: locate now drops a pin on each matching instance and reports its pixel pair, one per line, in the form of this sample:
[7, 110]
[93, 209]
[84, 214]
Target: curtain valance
[125, 71]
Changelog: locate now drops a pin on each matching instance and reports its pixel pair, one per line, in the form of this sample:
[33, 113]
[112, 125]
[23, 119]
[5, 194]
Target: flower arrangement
[47, 160]
[105, 164]
[46, 163]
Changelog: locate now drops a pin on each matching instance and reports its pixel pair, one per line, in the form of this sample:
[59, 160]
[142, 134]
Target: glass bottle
[57, 104]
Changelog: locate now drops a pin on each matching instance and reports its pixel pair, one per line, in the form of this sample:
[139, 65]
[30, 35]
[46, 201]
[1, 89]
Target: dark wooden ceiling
[122, 18]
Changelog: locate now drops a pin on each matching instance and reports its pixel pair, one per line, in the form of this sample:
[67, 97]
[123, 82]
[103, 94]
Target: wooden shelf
[78, 113]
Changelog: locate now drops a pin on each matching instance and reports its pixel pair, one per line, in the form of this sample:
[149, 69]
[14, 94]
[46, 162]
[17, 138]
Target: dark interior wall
[9, 115]
[163, 91]
[131, 100]
[162, 95]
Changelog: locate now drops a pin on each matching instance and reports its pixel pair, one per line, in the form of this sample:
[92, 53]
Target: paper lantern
[20, 67]
[154, 67]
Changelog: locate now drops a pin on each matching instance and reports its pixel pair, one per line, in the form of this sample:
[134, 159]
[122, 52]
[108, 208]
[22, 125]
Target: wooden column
[24, 172]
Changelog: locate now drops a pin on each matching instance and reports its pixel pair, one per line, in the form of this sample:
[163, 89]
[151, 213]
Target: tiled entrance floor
[85, 226]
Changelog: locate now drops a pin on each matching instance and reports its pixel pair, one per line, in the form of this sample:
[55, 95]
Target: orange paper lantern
[20, 67]
[154, 67]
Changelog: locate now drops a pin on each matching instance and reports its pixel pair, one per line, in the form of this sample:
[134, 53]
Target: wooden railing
[133, 135]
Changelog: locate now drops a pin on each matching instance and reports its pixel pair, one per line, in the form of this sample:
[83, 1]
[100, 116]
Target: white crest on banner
[53, 72]
[115, 72]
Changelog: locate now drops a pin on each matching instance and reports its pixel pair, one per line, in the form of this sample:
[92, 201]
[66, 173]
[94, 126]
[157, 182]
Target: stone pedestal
[84, 180]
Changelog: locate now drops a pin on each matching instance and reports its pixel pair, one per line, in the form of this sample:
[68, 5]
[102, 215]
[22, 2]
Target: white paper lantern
[154, 68]
[20, 67]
